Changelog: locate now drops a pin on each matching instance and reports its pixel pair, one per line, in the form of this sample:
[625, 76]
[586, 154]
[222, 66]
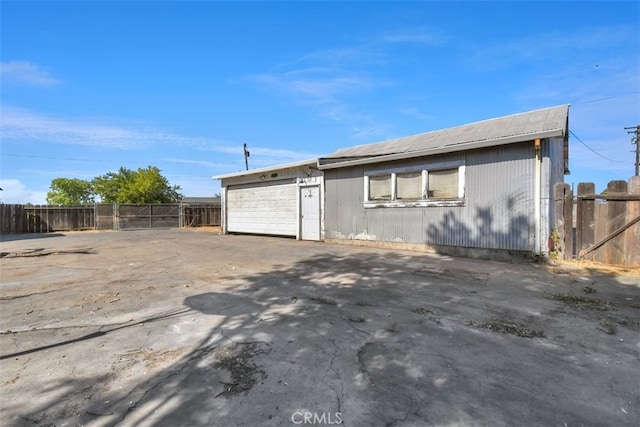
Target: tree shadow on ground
[101, 333]
[361, 338]
[27, 236]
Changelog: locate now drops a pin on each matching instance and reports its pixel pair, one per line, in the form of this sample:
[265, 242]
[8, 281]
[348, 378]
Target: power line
[592, 150]
[608, 97]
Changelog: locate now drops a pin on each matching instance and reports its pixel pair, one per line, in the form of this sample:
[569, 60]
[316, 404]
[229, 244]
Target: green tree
[141, 186]
[70, 192]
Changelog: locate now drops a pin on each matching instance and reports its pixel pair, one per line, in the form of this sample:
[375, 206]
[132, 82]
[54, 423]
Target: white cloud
[27, 127]
[419, 35]
[317, 86]
[23, 125]
[15, 192]
[26, 73]
[333, 81]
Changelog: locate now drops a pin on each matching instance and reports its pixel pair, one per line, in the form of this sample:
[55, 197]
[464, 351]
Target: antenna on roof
[246, 156]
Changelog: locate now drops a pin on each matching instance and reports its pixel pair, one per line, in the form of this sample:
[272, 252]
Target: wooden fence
[16, 219]
[194, 215]
[12, 219]
[607, 226]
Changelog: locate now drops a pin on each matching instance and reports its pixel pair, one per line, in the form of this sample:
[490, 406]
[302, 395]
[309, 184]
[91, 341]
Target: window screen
[409, 186]
[380, 187]
[443, 184]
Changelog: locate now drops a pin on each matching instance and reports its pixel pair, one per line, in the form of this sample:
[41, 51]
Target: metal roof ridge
[432, 151]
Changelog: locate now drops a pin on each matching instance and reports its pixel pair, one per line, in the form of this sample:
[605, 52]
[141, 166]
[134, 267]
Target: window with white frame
[409, 186]
[433, 185]
[443, 184]
[380, 187]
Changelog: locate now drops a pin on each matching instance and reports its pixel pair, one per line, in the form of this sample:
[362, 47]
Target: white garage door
[265, 208]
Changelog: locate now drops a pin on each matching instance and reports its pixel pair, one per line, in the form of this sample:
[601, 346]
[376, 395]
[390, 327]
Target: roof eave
[309, 162]
[441, 150]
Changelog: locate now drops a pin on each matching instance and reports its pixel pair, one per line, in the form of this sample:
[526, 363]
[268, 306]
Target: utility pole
[635, 130]
[246, 157]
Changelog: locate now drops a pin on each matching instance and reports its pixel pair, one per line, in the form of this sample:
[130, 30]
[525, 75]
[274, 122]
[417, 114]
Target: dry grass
[216, 229]
[510, 328]
[586, 267]
[583, 302]
[608, 325]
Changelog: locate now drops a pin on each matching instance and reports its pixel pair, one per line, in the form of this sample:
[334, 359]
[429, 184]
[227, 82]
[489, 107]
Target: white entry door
[310, 213]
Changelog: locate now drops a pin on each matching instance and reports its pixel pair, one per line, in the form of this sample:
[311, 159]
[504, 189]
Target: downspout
[536, 196]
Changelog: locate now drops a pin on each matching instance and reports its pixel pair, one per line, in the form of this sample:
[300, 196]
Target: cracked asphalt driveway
[190, 328]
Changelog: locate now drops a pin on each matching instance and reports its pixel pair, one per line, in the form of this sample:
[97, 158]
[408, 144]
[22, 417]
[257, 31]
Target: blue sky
[88, 87]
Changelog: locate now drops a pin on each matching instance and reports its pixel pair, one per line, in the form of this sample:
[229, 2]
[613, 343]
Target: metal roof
[309, 162]
[543, 123]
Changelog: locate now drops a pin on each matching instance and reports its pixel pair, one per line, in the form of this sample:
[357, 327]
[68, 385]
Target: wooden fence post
[116, 216]
[12, 219]
[585, 224]
[616, 217]
[563, 213]
[558, 209]
[632, 236]
[568, 222]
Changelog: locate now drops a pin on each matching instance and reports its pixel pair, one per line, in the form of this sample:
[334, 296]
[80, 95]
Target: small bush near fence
[16, 219]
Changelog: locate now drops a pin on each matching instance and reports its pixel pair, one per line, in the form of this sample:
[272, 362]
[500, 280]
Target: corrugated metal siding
[498, 211]
[346, 186]
[552, 153]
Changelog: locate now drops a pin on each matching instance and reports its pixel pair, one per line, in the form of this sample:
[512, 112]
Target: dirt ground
[191, 328]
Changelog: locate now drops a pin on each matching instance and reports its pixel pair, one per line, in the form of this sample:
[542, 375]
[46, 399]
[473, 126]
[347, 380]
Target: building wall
[300, 176]
[553, 167]
[498, 212]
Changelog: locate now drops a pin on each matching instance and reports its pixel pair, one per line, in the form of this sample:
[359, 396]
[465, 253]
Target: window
[409, 186]
[380, 187]
[443, 184]
[440, 184]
